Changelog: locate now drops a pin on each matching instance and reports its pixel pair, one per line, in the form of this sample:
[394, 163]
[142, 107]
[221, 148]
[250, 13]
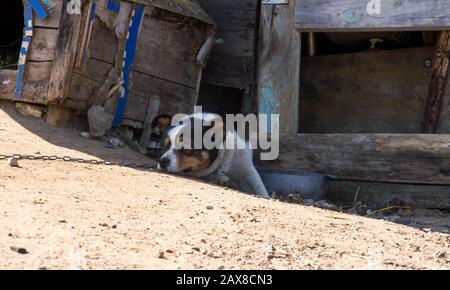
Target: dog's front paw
[220, 179]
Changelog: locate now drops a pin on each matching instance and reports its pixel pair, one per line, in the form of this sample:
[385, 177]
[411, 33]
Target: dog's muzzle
[163, 163]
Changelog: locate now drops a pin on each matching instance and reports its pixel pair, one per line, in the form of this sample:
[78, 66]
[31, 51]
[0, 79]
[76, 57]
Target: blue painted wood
[38, 9]
[22, 62]
[130, 53]
[113, 5]
[28, 16]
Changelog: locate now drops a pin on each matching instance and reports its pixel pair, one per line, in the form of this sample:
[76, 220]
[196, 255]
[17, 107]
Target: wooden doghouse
[365, 119]
[117, 54]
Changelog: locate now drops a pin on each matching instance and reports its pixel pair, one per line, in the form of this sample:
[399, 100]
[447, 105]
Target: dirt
[57, 215]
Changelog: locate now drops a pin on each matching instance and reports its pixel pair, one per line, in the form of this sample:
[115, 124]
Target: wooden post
[438, 82]
[69, 32]
[279, 65]
[152, 112]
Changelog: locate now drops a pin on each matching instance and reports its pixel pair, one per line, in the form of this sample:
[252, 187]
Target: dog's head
[161, 124]
[182, 154]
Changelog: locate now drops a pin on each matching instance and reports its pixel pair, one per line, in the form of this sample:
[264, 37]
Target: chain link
[77, 160]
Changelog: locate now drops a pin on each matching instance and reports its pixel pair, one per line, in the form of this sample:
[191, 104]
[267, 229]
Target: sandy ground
[72, 216]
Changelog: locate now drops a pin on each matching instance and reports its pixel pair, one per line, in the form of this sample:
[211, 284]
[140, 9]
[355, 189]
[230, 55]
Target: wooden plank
[353, 15]
[146, 86]
[81, 89]
[438, 83]
[279, 65]
[65, 56]
[43, 44]
[7, 84]
[378, 195]
[152, 113]
[59, 116]
[404, 158]
[103, 43]
[444, 116]
[168, 47]
[373, 86]
[232, 63]
[38, 71]
[137, 108]
[52, 21]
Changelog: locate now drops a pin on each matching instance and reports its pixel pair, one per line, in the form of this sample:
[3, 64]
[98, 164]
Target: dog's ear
[161, 124]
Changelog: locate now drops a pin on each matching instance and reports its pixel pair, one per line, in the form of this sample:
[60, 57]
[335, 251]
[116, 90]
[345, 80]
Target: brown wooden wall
[232, 64]
[39, 62]
[164, 65]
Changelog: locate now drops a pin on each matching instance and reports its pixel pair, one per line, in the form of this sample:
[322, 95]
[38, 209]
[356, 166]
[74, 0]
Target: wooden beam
[152, 112]
[402, 158]
[372, 15]
[438, 83]
[66, 48]
[279, 65]
[378, 195]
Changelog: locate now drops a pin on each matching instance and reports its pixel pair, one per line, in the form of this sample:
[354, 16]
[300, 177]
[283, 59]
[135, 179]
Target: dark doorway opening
[220, 100]
[11, 33]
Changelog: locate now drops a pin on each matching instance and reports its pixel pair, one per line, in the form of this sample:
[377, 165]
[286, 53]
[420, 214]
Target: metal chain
[77, 160]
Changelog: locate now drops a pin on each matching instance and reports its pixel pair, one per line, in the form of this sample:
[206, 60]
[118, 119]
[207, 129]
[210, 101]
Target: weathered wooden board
[7, 84]
[378, 195]
[436, 94]
[95, 69]
[174, 98]
[353, 15]
[65, 54]
[81, 89]
[168, 47]
[279, 65]
[103, 43]
[32, 92]
[137, 108]
[43, 44]
[444, 116]
[232, 63]
[38, 71]
[52, 21]
[368, 92]
[406, 158]
[147, 86]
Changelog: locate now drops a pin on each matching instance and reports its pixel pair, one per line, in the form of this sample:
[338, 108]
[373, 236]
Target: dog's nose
[164, 162]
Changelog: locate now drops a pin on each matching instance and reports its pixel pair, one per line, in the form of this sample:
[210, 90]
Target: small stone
[13, 162]
[116, 142]
[85, 135]
[440, 255]
[221, 267]
[169, 251]
[325, 205]
[308, 202]
[196, 249]
[103, 225]
[61, 220]
[161, 255]
[21, 251]
[213, 255]
[114, 227]
[209, 207]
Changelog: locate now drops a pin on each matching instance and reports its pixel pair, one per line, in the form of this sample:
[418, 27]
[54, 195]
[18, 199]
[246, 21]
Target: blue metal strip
[39, 9]
[113, 5]
[129, 55]
[28, 16]
[22, 61]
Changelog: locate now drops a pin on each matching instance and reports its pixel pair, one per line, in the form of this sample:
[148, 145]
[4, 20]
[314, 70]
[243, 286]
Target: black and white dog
[225, 165]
